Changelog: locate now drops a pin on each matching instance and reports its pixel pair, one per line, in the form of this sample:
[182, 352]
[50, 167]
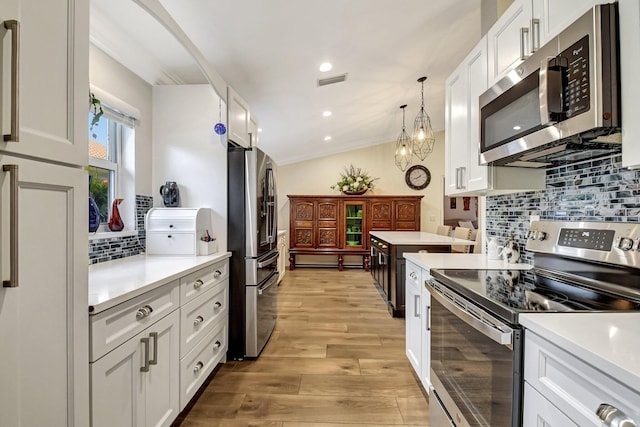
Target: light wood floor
[336, 358]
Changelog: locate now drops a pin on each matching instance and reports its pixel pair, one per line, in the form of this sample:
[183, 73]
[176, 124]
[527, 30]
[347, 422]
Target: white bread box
[176, 231]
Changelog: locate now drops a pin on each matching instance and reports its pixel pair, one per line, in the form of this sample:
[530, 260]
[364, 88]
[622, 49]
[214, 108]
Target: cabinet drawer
[413, 277]
[172, 224]
[575, 387]
[200, 315]
[113, 327]
[171, 243]
[538, 411]
[196, 366]
[202, 280]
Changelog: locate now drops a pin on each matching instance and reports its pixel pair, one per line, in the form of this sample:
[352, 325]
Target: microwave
[562, 103]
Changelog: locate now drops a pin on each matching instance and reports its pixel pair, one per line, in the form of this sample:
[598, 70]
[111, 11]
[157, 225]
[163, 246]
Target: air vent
[332, 80]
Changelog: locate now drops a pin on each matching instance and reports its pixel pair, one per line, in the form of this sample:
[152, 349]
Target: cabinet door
[629, 16]
[509, 39]
[413, 315]
[44, 321]
[406, 215]
[53, 90]
[381, 214]
[456, 126]
[253, 130]
[425, 332]
[162, 383]
[302, 228]
[553, 16]
[539, 412]
[238, 119]
[327, 223]
[353, 227]
[477, 176]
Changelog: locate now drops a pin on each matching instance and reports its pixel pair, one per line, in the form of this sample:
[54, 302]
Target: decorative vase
[115, 222]
[356, 193]
[94, 211]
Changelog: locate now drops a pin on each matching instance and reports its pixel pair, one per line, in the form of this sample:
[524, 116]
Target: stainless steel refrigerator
[252, 228]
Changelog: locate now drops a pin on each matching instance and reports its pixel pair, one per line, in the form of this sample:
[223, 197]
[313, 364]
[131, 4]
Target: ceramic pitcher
[494, 251]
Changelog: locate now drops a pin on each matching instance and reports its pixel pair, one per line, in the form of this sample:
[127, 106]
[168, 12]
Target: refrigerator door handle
[268, 261]
[267, 285]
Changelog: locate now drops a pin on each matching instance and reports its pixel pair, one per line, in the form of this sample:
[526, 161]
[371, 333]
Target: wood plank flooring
[336, 358]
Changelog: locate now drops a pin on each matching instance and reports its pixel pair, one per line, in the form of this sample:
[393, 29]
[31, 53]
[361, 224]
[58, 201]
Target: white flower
[359, 179]
[345, 187]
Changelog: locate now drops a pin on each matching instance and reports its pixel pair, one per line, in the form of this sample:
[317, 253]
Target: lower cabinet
[417, 321]
[151, 354]
[136, 384]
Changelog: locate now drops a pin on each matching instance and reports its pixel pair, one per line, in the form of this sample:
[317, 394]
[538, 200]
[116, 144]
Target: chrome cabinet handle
[154, 361]
[462, 170]
[198, 320]
[197, 368]
[428, 318]
[13, 231]
[217, 274]
[524, 35]
[217, 305]
[14, 26]
[198, 283]
[614, 417]
[413, 275]
[217, 345]
[416, 306]
[535, 35]
[144, 312]
[145, 367]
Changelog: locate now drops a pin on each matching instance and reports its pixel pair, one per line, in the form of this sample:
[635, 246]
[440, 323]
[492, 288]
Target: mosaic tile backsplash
[595, 190]
[101, 250]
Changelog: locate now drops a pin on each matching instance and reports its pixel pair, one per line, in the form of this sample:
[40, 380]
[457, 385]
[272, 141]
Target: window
[106, 160]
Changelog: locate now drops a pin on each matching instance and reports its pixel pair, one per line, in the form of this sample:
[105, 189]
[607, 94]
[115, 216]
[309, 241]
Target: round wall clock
[417, 177]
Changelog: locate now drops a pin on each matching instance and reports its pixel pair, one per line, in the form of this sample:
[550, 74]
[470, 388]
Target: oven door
[476, 363]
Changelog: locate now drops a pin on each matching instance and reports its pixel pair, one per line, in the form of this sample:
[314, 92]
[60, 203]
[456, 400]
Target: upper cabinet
[629, 14]
[42, 117]
[253, 130]
[463, 173]
[524, 27]
[239, 119]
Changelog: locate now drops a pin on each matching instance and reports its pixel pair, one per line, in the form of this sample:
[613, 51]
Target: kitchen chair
[461, 233]
[443, 230]
[477, 248]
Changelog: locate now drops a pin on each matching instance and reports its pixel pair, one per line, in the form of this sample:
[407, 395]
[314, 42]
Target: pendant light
[422, 137]
[404, 150]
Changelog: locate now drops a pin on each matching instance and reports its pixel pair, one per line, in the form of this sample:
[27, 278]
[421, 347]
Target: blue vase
[94, 211]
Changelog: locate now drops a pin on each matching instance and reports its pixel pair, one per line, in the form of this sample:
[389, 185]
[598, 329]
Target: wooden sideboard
[340, 225]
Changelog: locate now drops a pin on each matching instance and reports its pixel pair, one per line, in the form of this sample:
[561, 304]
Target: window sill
[112, 234]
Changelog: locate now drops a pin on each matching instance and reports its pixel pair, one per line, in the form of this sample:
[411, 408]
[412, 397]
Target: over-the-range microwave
[561, 104]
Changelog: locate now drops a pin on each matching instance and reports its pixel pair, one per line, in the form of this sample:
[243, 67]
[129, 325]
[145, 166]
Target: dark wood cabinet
[340, 225]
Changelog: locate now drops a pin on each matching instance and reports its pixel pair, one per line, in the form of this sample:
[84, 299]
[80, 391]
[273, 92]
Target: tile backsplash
[101, 250]
[595, 190]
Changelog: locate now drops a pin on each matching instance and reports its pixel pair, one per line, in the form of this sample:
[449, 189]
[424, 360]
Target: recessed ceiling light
[516, 127]
[325, 66]
[259, 129]
[326, 114]
[327, 138]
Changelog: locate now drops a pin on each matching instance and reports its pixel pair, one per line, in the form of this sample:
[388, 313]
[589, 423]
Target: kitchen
[502, 215]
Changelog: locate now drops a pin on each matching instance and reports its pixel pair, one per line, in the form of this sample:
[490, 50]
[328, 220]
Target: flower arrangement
[354, 181]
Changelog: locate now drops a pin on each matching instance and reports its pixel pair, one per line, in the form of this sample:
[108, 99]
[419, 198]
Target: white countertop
[114, 282]
[608, 341]
[418, 238]
[461, 261]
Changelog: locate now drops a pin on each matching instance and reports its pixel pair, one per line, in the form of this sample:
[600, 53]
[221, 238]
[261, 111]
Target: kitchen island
[388, 263]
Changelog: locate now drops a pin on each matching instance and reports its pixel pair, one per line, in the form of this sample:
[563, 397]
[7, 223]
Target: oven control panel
[610, 242]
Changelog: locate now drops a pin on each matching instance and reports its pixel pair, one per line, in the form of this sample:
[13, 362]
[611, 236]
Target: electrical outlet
[534, 218]
[432, 218]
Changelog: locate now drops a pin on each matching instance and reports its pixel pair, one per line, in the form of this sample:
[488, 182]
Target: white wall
[118, 81]
[316, 176]
[186, 150]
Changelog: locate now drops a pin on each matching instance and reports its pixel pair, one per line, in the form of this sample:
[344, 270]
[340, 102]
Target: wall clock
[417, 177]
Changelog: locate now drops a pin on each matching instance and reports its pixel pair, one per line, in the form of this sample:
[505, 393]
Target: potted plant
[354, 181]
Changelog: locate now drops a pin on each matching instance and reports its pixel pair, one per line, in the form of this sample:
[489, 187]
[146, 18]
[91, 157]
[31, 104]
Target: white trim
[115, 103]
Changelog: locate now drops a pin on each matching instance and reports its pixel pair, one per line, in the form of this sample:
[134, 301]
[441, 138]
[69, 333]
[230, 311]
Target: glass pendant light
[422, 138]
[404, 150]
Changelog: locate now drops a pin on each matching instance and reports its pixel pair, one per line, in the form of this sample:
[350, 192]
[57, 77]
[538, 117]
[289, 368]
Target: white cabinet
[282, 254]
[52, 103]
[417, 322]
[629, 18]
[238, 119]
[44, 321]
[253, 130]
[463, 173]
[137, 383]
[569, 385]
[526, 26]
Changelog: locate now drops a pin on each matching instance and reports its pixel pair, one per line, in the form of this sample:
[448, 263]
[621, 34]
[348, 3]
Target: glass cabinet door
[354, 224]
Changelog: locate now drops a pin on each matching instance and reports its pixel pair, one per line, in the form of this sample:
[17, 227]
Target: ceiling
[270, 51]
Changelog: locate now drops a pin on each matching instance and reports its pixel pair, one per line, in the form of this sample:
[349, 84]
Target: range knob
[625, 244]
[540, 235]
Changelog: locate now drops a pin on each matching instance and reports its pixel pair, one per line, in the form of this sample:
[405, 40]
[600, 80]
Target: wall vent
[332, 80]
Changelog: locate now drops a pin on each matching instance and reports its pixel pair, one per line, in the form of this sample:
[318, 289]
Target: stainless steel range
[476, 345]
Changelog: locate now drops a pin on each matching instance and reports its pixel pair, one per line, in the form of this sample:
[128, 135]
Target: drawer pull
[169, 236]
[217, 305]
[197, 368]
[217, 345]
[413, 275]
[154, 361]
[143, 312]
[145, 367]
[612, 416]
[217, 274]
[198, 283]
[170, 225]
[198, 320]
